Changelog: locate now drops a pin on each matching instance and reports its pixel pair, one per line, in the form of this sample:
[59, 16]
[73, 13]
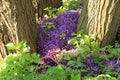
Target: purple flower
[90, 64]
[95, 68]
[113, 63]
[51, 39]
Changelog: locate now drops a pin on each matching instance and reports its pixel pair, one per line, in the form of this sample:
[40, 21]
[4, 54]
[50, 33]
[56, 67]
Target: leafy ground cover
[63, 53]
[75, 50]
[89, 62]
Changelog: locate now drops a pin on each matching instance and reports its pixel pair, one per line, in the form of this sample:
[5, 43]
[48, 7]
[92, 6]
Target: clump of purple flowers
[101, 66]
[55, 39]
[113, 63]
[90, 64]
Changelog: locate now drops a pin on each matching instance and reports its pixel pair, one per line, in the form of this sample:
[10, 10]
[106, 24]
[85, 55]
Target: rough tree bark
[17, 22]
[101, 18]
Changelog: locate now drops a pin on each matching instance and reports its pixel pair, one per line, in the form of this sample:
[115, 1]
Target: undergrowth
[80, 65]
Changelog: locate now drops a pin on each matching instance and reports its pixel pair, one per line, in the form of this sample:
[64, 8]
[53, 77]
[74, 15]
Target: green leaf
[31, 68]
[73, 34]
[35, 57]
[72, 41]
[71, 62]
[67, 57]
[11, 46]
[84, 48]
[26, 49]
[80, 64]
[104, 56]
[75, 77]
[60, 67]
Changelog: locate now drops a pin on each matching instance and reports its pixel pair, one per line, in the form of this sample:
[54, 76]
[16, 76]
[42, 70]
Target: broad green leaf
[11, 46]
[75, 77]
[72, 41]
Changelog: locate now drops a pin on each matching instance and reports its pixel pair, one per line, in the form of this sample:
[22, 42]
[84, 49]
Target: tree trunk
[100, 18]
[17, 22]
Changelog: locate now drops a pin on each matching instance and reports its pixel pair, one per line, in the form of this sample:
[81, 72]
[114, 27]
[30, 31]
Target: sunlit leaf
[11, 46]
